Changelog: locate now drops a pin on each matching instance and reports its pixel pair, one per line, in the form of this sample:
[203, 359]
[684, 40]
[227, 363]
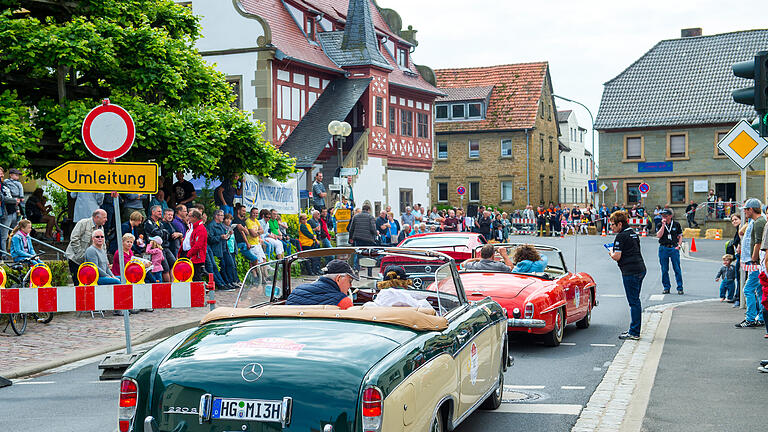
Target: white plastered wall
[415, 180]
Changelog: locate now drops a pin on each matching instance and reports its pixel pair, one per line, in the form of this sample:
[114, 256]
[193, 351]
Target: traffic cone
[693, 245]
[603, 234]
[717, 235]
[562, 232]
[643, 234]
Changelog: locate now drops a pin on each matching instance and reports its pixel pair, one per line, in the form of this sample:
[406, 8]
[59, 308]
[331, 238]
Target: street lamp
[592, 118]
[339, 131]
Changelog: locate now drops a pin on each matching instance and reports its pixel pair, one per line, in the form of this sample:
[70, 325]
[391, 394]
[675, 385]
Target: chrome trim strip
[526, 322]
[285, 413]
[204, 411]
[440, 403]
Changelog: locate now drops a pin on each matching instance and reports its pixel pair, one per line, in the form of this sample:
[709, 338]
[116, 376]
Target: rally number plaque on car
[246, 409]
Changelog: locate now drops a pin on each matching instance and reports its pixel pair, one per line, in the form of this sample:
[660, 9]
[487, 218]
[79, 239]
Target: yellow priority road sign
[126, 177]
[742, 144]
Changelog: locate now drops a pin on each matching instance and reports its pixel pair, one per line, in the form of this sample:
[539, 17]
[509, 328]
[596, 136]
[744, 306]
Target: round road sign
[108, 131]
[644, 188]
[460, 190]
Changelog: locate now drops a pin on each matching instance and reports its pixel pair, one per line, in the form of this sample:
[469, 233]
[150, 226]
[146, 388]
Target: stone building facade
[660, 121]
[502, 146]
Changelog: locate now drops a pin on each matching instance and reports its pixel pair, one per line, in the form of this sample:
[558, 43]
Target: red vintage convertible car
[537, 303]
[458, 245]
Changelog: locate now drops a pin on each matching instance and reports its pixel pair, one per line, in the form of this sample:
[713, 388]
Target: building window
[719, 135]
[402, 57]
[506, 148]
[507, 187]
[541, 145]
[309, 27]
[475, 110]
[422, 126]
[406, 199]
[565, 195]
[235, 83]
[541, 189]
[441, 112]
[474, 191]
[549, 112]
[442, 150]
[633, 148]
[457, 111]
[379, 116]
[581, 166]
[550, 150]
[392, 121]
[474, 149]
[551, 190]
[442, 192]
[541, 114]
[564, 165]
[633, 194]
[406, 122]
[678, 192]
[677, 145]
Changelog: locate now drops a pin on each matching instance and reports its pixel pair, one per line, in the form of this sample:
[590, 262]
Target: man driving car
[487, 261]
[330, 289]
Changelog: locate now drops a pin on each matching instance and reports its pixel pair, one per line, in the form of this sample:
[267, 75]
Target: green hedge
[59, 273]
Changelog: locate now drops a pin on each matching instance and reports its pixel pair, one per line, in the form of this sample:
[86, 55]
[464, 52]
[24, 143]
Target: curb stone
[157, 334]
[606, 409]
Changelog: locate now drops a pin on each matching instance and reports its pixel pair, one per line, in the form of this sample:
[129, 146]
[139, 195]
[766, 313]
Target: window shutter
[634, 148]
[677, 145]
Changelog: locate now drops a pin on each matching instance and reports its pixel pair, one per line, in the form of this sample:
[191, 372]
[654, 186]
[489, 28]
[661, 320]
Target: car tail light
[529, 310]
[372, 409]
[129, 394]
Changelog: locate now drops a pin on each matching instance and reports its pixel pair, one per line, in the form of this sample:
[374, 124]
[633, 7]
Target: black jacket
[362, 227]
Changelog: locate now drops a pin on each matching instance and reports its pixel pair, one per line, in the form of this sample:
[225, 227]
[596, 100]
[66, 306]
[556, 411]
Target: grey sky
[586, 43]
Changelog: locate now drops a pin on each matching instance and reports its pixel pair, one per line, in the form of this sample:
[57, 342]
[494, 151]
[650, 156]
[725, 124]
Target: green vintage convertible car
[267, 366]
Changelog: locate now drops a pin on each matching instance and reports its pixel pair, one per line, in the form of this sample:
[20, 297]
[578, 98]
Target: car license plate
[246, 409]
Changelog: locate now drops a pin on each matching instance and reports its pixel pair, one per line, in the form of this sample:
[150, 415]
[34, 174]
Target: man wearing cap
[670, 237]
[330, 289]
[750, 254]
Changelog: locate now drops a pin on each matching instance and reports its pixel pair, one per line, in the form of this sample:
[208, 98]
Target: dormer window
[309, 26]
[402, 57]
[456, 111]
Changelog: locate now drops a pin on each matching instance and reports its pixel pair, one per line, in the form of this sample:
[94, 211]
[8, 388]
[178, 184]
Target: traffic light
[756, 95]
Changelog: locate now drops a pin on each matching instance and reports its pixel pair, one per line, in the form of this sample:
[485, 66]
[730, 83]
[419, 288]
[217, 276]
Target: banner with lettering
[269, 194]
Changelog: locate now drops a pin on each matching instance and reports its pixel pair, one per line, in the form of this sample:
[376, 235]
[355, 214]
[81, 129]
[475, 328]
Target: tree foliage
[58, 59]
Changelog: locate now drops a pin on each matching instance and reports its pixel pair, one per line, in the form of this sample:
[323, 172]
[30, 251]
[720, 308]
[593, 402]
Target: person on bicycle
[21, 243]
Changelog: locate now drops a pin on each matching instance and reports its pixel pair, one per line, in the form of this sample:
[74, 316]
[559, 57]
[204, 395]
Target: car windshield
[554, 268]
[435, 241]
[270, 283]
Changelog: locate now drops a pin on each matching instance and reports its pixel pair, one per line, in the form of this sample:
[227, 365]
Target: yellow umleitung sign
[126, 177]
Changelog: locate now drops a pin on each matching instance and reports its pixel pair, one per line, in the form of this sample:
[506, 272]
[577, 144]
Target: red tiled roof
[286, 35]
[514, 101]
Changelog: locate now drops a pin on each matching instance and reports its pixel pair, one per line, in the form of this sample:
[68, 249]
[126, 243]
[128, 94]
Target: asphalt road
[544, 391]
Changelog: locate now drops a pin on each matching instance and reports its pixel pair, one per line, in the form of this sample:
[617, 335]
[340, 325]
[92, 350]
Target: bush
[57, 197]
[59, 273]
[293, 224]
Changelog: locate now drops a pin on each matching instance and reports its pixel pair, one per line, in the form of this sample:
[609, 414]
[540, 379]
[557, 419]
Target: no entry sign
[108, 131]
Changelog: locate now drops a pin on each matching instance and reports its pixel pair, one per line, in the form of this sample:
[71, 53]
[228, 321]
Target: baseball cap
[338, 266]
[14, 171]
[753, 203]
[666, 212]
[156, 239]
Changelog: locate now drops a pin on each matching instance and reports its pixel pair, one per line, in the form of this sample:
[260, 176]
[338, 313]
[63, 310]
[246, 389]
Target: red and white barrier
[102, 297]
[637, 221]
[520, 221]
[750, 267]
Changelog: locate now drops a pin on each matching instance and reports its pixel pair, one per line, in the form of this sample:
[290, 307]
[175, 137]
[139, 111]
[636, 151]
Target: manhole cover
[511, 396]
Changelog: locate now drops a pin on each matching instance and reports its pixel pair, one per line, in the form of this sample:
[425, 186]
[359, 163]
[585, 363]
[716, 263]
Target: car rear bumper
[523, 322]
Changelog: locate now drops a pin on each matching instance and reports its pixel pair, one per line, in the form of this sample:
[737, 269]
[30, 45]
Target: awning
[310, 136]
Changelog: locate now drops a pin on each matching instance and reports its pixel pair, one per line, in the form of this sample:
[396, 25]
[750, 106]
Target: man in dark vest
[331, 289]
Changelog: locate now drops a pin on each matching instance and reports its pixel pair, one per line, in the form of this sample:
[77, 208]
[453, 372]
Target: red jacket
[198, 243]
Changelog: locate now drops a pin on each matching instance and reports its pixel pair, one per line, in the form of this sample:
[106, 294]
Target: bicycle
[18, 322]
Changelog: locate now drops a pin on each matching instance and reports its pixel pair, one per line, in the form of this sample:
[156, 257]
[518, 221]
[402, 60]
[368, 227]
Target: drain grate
[521, 396]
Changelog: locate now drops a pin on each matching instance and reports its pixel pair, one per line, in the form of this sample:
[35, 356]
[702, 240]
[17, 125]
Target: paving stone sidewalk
[70, 334]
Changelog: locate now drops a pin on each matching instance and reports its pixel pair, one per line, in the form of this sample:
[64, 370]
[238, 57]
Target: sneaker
[626, 335]
[763, 362]
[763, 369]
[760, 322]
[665, 292]
[746, 324]
[736, 304]
[680, 292]
[730, 301]
[722, 299]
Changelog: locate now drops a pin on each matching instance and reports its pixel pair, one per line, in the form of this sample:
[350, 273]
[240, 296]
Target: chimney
[690, 32]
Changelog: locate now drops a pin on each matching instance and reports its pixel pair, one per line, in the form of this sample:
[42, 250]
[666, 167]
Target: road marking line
[612, 295]
[656, 297]
[572, 387]
[524, 387]
[33, 382]
[597, 369]
[568, 343]
[602, 345]
[532, 408]
[606, 364]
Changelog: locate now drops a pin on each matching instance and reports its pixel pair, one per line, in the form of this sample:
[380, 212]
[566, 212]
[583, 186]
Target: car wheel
[584, 322]
[494, 400]
[554, 337]
[438, 423]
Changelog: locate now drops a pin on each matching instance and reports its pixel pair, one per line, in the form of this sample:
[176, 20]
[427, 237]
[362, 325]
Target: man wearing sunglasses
[330, 289]
[97, 254]
[80, 239]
